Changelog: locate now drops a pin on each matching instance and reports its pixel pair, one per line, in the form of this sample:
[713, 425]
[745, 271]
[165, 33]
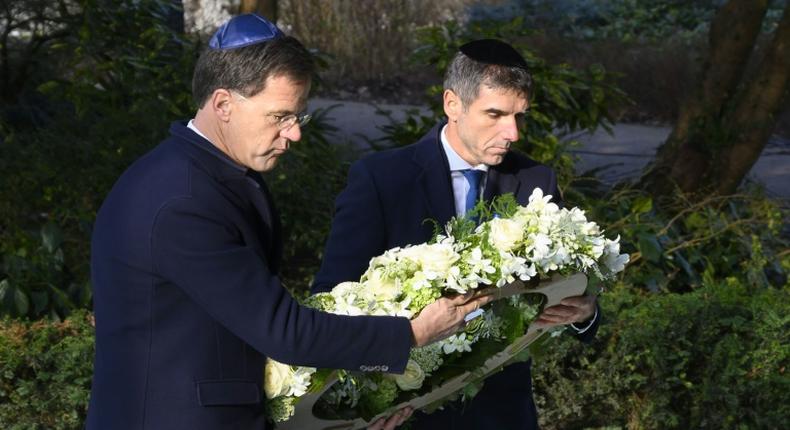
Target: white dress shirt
[460, 184]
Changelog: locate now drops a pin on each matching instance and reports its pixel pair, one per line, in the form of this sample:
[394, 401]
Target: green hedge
[45, 373]
[714, 358]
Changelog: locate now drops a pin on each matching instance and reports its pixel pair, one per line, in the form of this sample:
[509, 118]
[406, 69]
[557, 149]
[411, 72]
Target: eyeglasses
[285, 122]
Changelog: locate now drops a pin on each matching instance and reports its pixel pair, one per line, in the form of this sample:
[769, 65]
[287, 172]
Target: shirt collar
[455, 161]
[191, 126]
[213, 148]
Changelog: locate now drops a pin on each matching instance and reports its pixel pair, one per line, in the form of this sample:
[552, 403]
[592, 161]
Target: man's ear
[452, 105]
[221, 103]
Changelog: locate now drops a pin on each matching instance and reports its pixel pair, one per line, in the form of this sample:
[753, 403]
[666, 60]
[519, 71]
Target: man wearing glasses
[185, 254]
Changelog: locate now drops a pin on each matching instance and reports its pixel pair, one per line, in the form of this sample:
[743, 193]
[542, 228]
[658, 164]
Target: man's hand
[570, 310]
[393, 421]
[445, 317]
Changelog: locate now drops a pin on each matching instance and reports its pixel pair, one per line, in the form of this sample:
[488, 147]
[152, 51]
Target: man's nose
[510, 129]
[292, 133]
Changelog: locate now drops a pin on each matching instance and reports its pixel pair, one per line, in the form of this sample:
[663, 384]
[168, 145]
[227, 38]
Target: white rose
[505, 233]
[436, 257]
[412, 378]
[383, 287]
[276, 379]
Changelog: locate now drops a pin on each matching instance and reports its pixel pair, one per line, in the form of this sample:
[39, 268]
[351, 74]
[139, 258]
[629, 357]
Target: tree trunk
[265, 8]
[689, 159]
[755, 114]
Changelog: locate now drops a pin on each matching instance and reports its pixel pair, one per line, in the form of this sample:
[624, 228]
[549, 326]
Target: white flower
[540, 203]
[612, 258]
[301, 381]
[478, 264]
[456, 342]
[412, 378]
[382, 286]
[590, 229]
[277, 379]
[420, 281]
[539, 246]
[435, 259]
[346, 298]
[389, 257]
[505, 233]
[454, 282]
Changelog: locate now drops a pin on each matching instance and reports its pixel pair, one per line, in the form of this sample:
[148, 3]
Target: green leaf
[695, 221]
[51, 237]
[40, 301]
[5, 288]
[649, 247]
[21, 301]
[642, 204]
[470, 390]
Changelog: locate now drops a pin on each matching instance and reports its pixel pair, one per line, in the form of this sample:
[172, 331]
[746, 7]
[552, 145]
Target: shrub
[115, 96]
[688, 243]
[714, 358]
[45, 373]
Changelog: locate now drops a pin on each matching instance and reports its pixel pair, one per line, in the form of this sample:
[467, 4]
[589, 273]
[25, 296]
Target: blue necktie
[473, 177]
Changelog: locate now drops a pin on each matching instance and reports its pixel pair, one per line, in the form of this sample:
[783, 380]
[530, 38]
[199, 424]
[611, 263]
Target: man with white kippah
[186, 249]
[390, 194]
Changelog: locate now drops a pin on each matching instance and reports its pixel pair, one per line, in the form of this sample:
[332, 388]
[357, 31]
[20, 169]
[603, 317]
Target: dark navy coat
[388, 197]
[188, 305]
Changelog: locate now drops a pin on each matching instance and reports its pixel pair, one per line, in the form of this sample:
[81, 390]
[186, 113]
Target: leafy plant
[714, 358]
[45, 373]
[115, 96]
[687, 244]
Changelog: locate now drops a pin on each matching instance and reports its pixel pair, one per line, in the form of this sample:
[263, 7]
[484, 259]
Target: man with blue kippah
[185, 254]
[390, 194]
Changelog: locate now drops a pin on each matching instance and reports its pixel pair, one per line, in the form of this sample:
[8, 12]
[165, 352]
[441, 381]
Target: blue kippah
[244, 30]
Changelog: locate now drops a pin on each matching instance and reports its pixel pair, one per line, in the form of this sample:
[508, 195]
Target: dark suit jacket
[188, 305]
[388, 196]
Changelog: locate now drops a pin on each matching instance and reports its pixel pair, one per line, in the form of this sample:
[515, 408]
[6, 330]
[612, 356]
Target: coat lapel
[245, 184]
[501, 180]
[434, 178]
[261, 198]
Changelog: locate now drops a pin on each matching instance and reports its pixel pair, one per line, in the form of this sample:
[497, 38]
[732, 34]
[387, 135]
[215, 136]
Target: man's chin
[265, 165]
[493, 160]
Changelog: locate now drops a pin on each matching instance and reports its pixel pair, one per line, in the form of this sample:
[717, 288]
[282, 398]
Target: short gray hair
[246, 69]
[465, 75]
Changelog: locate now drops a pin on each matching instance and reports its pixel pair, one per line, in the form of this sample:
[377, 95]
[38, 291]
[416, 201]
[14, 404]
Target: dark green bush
[714, 358]
[113, 96]
[686, 243]
[45, 373]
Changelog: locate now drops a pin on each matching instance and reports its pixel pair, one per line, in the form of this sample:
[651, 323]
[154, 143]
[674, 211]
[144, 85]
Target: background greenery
[696, 330]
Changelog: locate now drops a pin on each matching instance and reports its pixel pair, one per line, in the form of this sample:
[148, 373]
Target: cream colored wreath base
[555, 290]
